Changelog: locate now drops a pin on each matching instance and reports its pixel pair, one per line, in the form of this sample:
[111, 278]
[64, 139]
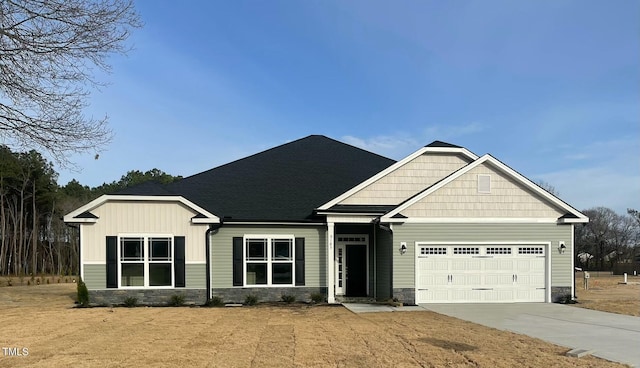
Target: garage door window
[498, 250]
[432, 250]
[466, 250]
[531, 250]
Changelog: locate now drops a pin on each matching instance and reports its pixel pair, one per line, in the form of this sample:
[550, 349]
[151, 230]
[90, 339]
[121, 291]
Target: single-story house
[320, 216]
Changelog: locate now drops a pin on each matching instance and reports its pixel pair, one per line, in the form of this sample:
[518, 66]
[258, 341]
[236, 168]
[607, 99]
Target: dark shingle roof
[442, 144]
[284, 183]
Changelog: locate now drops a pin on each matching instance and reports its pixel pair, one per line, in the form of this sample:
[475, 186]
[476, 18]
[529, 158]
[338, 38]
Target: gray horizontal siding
[95, 276]
[404, 265]
[315, 252]
[195, 276]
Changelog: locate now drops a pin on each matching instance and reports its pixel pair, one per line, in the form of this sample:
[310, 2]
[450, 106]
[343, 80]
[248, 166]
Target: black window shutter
[178, 263]
[112, 261]
[299, 261]
[238, 243]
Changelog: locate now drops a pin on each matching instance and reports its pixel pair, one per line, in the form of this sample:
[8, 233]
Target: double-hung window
[146, 261]
[269, 260]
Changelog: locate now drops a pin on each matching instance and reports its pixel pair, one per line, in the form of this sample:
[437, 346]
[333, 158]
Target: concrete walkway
[611, 336]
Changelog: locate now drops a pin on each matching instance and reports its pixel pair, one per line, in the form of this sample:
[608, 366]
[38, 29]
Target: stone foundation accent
[267, 294]
[153, 297]
[559, 293]
[405, 295]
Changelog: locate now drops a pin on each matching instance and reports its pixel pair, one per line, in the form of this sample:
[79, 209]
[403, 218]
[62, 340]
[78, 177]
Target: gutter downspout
[213, 228]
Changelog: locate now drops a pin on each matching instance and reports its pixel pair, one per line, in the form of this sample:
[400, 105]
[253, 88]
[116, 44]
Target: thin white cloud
[391, 146]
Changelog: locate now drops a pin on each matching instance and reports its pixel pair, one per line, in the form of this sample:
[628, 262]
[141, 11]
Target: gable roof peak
[442, 144]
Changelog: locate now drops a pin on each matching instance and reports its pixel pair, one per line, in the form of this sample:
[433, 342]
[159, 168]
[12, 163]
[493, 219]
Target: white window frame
[146, 260]
[270, 259]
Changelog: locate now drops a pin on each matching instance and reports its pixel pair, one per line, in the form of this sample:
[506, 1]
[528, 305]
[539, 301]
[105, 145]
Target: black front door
[356, 270]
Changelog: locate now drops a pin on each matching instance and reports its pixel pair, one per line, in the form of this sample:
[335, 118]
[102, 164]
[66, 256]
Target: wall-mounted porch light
[562, 248]
[403, 248]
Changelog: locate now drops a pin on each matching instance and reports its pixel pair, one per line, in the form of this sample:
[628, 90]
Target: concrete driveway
[611, 336]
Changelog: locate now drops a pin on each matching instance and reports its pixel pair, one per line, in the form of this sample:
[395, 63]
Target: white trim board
[208, 219]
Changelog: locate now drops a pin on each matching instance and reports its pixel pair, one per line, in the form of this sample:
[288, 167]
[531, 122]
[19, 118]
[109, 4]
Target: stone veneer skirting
[267, 294]
[154, 297]
[560, 293]
[405, 295]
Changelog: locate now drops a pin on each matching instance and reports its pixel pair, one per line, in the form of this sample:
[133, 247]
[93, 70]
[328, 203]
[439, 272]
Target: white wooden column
[331, 290]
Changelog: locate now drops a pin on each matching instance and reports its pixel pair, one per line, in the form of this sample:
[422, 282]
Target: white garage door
[480, 273]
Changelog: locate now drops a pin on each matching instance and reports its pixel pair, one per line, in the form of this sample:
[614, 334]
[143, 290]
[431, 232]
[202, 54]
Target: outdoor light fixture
[562, 248]
[403, 248]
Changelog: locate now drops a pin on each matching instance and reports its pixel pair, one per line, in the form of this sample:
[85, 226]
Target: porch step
[354, 299]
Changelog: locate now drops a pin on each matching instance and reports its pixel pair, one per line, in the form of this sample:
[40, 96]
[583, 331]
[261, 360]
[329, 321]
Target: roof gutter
[213, 228]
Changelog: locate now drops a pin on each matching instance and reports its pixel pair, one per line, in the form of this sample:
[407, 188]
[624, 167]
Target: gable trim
[472, 220]
[487, 158]
[465, 152]
[206, 218]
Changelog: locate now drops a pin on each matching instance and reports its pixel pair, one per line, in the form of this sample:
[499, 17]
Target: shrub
[9, 282]
[48, 282]
[215, 301]
[177, 300]
[251, 300]
[317, 298]
[130, 301]
[288, 298]
[28, 283]
[58, 280]
[83, 293]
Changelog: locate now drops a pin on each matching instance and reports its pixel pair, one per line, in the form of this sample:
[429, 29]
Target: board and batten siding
[314, 251]
[142, 217]
[404, 265]
[460, 198]
[95, 276]
[408, 179]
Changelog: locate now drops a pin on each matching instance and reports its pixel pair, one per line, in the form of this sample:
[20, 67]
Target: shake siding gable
[408, 180]
[461, 198]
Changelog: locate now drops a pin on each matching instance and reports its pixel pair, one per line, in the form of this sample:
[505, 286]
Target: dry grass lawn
[41, 319]
[607, 294]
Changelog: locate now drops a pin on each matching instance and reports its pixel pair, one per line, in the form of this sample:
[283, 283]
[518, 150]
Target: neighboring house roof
[284, 183]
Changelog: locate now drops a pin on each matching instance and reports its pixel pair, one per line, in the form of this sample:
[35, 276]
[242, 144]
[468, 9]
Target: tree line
[33, 237]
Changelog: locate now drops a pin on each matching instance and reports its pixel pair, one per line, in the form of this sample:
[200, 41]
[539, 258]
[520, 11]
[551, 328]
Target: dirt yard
[607, 294]
[40, 319]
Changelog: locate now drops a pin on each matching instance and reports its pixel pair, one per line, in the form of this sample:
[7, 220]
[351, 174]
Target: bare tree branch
[49, 50]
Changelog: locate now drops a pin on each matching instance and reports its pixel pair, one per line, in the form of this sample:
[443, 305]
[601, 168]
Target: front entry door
[356, 270]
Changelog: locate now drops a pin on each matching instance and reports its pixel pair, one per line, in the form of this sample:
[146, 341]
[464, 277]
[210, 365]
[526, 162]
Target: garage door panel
[481, 274]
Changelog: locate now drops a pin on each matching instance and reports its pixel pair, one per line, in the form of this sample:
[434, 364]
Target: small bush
[215, 301]
[28, 283]
[130, 301]
[288, 298]
[83, 293]
[251, 300]
[9, 282]
[58, 280]
[48, 282]
[177, 300]
[317, 298]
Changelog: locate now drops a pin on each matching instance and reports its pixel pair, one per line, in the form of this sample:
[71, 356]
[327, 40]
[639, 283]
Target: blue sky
[551, 88]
